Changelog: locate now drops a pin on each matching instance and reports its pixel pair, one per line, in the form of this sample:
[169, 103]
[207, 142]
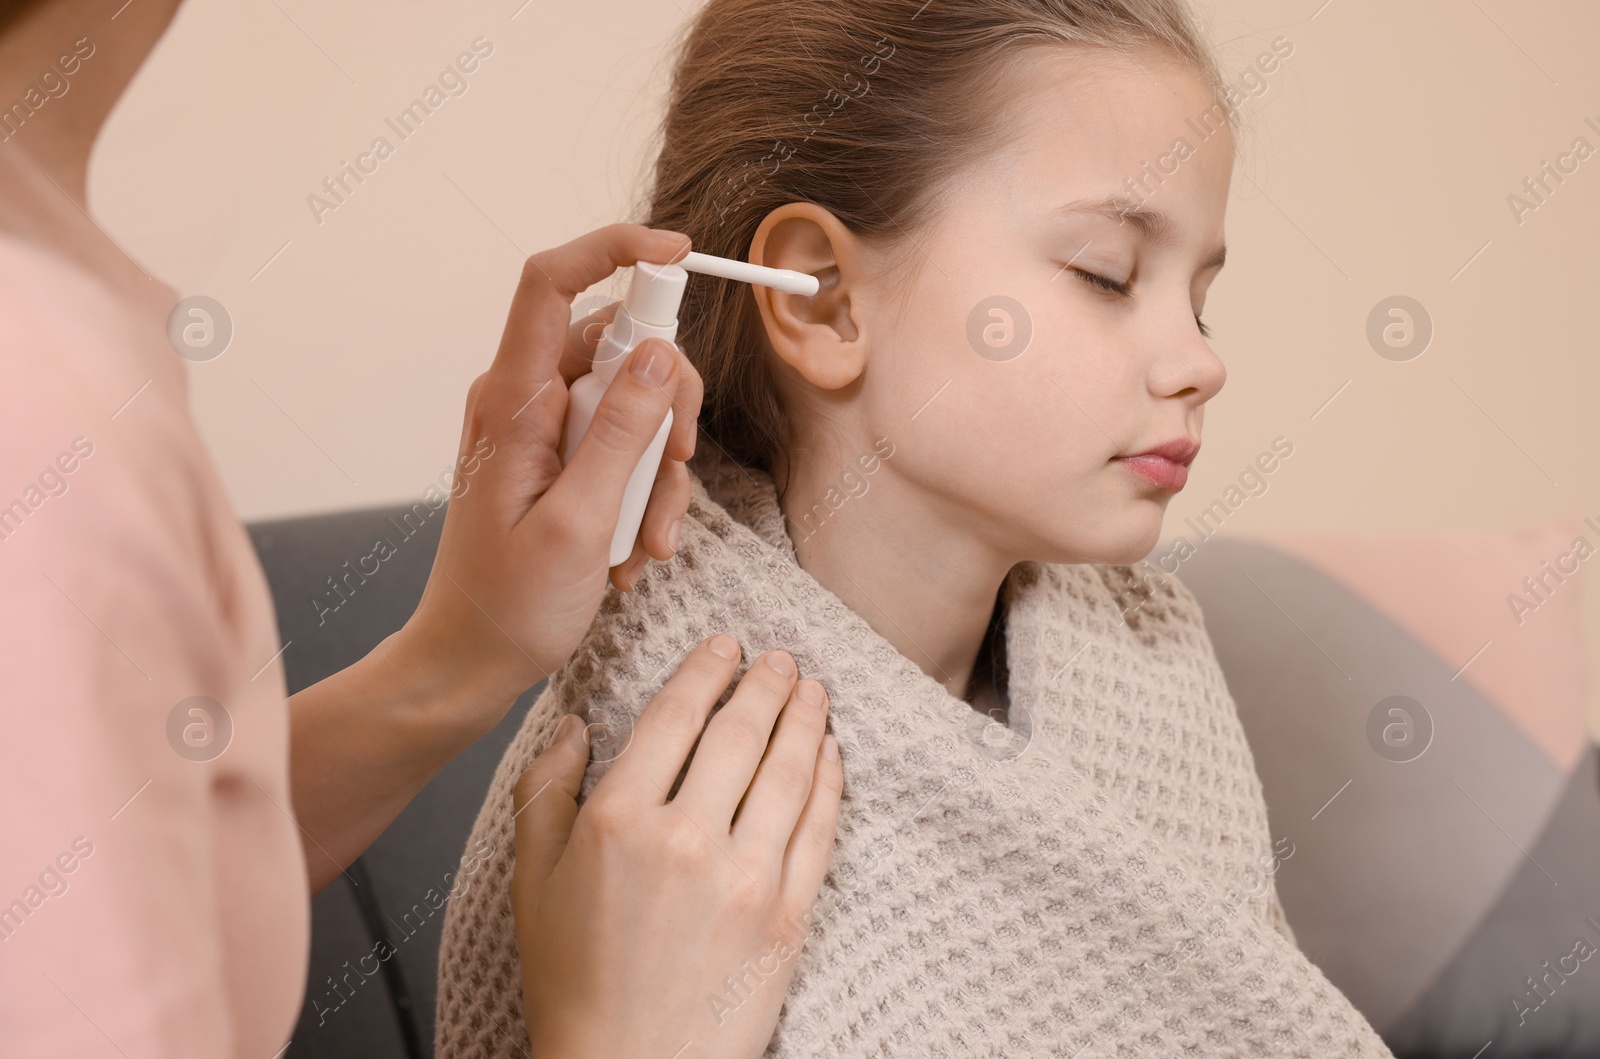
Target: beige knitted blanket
[1093, 879]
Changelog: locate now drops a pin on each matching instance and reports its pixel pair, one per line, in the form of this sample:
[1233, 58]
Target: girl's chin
[1121, 545]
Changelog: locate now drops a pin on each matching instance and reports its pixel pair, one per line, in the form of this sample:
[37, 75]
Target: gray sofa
[1424, 914]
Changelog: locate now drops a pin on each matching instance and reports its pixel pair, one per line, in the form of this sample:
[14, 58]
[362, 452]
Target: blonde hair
[864, 107]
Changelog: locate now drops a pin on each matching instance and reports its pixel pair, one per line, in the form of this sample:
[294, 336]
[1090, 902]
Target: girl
[932, 476]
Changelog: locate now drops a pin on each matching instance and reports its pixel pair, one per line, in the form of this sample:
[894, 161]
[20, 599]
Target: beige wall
[1378, 163]
[368, 327]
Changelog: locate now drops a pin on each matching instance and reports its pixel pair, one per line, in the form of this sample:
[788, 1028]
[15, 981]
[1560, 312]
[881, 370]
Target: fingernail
[725, 646]
[812, 692]
[780, 661]
[673, 532]
[680, 241]
[655, 365]
[564, 729]
[830, 747]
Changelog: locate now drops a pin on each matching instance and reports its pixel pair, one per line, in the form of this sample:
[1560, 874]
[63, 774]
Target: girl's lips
[1168, 474]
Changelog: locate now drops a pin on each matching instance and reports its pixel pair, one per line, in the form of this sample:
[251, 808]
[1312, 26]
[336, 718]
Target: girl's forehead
[1072, 121]
[1128, 131]
[1065, 98]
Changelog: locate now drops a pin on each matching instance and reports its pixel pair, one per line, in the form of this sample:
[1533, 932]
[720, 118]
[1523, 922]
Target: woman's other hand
[672, 928]
[522, 563]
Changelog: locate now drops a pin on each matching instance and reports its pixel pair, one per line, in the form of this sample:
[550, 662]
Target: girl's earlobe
[817, 335]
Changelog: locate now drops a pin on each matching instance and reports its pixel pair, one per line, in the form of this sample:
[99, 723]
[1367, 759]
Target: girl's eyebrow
[1152, 224]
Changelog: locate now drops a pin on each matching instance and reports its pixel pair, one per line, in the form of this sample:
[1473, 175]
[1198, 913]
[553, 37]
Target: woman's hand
[650, 927]
[522, 564]
[522, 561]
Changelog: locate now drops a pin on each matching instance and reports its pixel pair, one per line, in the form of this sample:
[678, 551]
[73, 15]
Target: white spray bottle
[650, 310]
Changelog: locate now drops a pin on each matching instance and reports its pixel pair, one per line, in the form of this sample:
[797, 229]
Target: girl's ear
[821, 337]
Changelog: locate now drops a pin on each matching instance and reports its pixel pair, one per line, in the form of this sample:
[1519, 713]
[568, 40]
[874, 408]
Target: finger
[669, 499]
[474, 443]
[544, 802]
[782, 783]
[627, 419]
[734, 743]
[582, 336]
[535, 337]
[686, 403]
[674, 718]
[805, 861]
[626, 574]
[509, 451]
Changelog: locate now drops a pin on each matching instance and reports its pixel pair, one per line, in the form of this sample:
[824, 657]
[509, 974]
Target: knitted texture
[1093, 878]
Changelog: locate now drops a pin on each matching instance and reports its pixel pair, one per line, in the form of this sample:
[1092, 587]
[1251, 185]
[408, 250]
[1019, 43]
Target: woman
[153, 895]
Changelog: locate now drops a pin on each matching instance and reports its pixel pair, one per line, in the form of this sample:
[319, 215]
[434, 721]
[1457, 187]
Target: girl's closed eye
[1105, 283]
[1110, 285]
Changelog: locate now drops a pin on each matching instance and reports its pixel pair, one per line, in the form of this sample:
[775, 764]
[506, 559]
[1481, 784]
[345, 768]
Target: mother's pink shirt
[153, 903]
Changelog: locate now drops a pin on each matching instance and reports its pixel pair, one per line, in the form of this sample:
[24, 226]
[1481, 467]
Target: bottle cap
[655, 293]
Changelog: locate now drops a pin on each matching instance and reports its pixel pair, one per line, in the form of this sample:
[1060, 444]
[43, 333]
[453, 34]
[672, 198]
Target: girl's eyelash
[1107, 284]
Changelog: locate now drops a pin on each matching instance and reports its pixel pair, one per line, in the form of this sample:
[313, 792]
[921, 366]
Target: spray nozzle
[650, 308]
[778, 278]
[657, 290]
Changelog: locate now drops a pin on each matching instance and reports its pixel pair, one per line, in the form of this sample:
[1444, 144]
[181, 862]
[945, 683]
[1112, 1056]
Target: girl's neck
[924, 582]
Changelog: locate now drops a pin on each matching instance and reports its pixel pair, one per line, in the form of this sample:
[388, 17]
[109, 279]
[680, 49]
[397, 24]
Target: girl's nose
[1189, 367]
